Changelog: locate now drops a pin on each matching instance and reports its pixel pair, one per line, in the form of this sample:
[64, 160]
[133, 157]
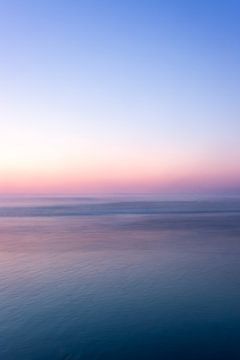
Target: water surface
[111, 279]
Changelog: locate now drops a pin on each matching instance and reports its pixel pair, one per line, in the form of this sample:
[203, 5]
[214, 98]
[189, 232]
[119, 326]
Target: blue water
[119, 279]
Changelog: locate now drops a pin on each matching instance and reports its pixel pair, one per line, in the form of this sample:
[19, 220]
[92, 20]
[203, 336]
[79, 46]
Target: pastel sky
[119, 96]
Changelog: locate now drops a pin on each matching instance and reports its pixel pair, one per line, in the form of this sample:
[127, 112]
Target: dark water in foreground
[83, 279]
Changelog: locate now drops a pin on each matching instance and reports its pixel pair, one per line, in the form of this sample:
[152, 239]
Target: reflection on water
[86, 279]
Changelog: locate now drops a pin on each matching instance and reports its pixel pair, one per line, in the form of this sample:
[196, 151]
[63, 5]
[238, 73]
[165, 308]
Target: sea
[118, 278]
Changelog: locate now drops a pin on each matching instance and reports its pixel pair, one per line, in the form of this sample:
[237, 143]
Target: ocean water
[88, 278]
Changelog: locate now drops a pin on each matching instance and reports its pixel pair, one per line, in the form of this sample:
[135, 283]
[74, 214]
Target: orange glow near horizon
[66, 163]
[115, 179]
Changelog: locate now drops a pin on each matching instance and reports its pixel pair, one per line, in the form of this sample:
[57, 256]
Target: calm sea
[85, 278]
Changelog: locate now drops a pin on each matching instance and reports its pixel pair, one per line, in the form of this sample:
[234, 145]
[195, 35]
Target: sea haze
[91, 278]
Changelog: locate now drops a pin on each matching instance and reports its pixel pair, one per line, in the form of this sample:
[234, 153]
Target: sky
[119, 96]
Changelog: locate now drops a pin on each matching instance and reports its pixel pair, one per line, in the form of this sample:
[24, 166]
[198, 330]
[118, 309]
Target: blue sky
[148, 87]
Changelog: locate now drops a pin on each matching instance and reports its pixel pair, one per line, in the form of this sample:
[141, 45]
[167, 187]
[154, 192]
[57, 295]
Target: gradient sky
[119, 96]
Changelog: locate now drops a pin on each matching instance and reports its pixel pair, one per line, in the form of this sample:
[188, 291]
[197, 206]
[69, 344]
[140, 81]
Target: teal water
[111, 279]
